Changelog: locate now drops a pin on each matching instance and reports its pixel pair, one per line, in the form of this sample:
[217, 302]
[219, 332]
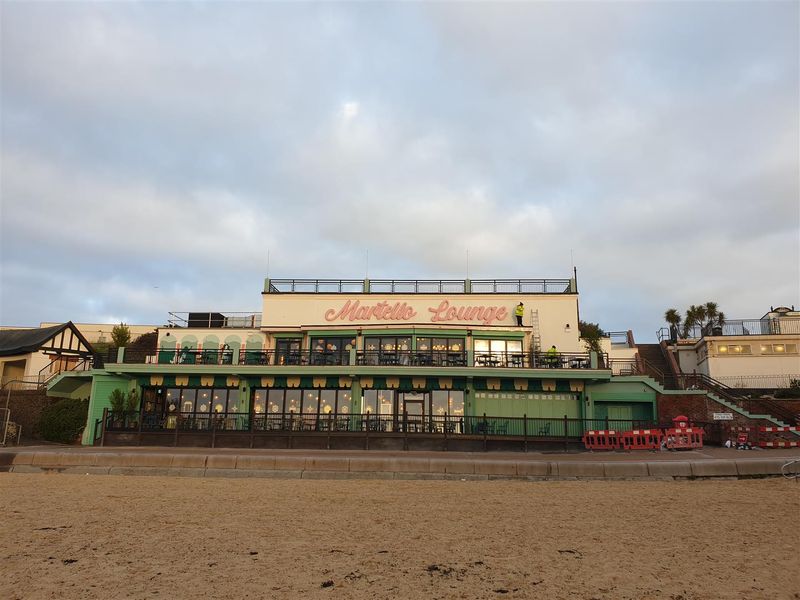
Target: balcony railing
[214, 320]
[368, 358]
[777, 326]
[421, 286]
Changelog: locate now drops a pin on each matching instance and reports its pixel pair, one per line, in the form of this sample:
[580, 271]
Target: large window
[306, 402]
[498, 352]
[441, 351]
[198, 408]
[331, 350]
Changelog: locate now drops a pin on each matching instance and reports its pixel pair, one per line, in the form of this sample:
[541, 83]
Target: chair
[545, 430]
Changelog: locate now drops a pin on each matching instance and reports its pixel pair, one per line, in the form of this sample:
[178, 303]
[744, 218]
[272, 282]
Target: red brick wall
[700, 408]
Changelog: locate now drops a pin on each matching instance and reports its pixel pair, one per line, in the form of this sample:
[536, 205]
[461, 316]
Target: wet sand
[73, 536]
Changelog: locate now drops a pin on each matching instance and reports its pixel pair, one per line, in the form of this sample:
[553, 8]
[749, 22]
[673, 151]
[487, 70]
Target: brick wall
[699, 408]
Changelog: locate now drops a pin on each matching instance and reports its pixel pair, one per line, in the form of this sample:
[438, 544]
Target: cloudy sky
[153, 154]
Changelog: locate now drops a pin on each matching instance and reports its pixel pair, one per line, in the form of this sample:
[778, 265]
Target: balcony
[361, 358]
[215, 320]
[420, 286]
[739, 327]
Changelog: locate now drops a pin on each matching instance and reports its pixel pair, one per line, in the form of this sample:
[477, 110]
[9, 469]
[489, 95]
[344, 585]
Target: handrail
[421, 286]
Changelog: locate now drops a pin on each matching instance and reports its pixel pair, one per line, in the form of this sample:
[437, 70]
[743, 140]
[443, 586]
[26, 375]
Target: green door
[620, 416]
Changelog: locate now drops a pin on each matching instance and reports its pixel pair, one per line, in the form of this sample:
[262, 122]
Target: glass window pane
[455, 345]
[385, 402]
[404, 344]
[310, 401]
[204, 401]
[172, 399]
[498, 345]
[259, 401]
[481, 345]
[424, 344]
[187, 400]
[456, 403]
[345, 400]
[220, 397]
[233, 402]
[276, 401]
[439, 344]
[514, 346]
[439, 403]
[327, 402]
[370, 401]
[293, 398]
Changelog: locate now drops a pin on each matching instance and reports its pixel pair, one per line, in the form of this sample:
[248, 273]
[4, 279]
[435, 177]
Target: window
[332, 350]
[779, 349]
[387, 344]
[734, 349]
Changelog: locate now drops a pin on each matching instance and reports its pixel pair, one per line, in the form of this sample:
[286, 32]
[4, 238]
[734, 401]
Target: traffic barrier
[601, 440]
[641, 439]
[780, 444]
[777, 429]
[684, 438]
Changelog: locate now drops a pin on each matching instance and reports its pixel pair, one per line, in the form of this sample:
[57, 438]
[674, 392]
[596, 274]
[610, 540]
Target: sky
[168, 156]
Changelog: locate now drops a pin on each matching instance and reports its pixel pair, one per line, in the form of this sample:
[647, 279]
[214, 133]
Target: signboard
[723, 416]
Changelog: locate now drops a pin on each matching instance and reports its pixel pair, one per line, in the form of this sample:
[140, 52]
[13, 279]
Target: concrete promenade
[332, 464]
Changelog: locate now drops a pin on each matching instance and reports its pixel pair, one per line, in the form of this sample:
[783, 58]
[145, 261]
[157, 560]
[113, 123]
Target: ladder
[536, 338]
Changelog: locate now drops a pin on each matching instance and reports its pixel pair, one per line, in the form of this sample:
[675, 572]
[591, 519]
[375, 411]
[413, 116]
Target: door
[620, 416]
[411, 411]
[287, 352]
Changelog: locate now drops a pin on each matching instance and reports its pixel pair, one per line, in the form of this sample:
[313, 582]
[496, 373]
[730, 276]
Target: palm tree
[695, 315]
[673, 317]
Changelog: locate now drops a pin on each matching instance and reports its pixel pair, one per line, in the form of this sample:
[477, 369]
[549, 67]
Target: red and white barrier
[601, 439]
[684, 438]
[641, 439]
[777, 429]
[781, 444]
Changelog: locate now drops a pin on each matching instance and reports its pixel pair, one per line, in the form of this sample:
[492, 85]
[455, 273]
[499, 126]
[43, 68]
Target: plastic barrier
[641, 439]
[601, 440]
[781, 444]
[777, 429]
[684, 438]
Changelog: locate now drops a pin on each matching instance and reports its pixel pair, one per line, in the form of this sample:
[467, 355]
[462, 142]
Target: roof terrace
[420, 286]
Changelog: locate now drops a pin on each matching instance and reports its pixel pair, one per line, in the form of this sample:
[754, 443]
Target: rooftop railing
[775, 326]
[228, 320]
[420, 286]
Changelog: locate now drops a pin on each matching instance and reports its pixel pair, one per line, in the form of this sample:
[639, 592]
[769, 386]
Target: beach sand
[75, 536]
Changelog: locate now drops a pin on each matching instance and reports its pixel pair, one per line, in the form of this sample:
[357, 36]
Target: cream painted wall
[195, 337]
[286, 312]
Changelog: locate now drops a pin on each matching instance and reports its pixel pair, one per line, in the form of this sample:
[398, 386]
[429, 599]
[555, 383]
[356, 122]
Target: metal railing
[422, 286]
[544, 428]
[404, 358]
[215, 320]
[737, 327]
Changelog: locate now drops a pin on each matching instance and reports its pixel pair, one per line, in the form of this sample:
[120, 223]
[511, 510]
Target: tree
[146, 342]
[673, 317]
[121, 335]
[591, 334]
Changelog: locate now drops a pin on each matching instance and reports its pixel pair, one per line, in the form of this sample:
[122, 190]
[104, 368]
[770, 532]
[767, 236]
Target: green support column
[357, 402]
[593, 359]
[121, 354]
[469, 398]
[266, 284]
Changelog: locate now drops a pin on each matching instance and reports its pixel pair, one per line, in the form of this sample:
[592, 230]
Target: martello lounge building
[371, 363]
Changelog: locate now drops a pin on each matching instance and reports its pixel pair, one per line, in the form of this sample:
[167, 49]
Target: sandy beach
[72, 536]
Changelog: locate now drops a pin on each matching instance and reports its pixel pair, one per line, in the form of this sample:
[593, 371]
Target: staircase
[653, 355]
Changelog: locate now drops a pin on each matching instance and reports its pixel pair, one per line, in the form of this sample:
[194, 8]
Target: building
[31, 357]
[752, 354]
[378, 363]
